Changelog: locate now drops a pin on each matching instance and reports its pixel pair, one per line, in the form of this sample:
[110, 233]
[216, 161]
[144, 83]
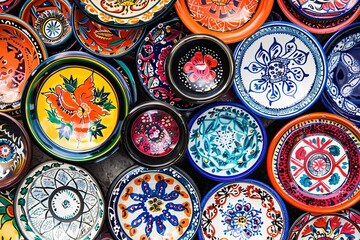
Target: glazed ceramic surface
[226, 141]
[340, 225]
[244, 209]
[342, 88]
[59, 201]
[8, 5]
[50, 19]
[15, 151]
[101, 40]
[314, 163]
[125, 13]
[153, 204]
[22, 51]
[81, 101]
[280, 70]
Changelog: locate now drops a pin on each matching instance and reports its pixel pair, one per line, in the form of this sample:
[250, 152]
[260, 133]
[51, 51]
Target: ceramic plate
[314, 161]
[22, 50]
[15, 151]
[231, 21]
[321, 17]
[153, 204]
[59, 201]
[74, 107]
[8, 5]
[125, 13]
[280, 71]
[101, 40]
[342, 90]
[340, 225]
[9, 228]
[226, 141]
[244, 209]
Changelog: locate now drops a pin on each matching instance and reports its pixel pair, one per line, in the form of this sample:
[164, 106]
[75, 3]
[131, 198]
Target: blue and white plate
[280, 70]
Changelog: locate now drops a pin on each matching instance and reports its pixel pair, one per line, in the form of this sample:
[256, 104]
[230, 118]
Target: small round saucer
[231, 21]
[226, 141]
[342, 89]
[243, 209]
[59, 201]
[8, 5]
[22, 51]
[280, 71]
[314, 161]
[9, 227]
[153, 204]
[200, 68]
[154, 134]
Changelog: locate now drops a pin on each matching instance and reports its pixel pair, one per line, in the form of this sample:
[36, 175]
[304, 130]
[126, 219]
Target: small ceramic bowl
[313, 162]
[341, 225]
[8, 5]
[154, 134]
[226, 141]
[280, 71]
[22, 51]
[59, 201]
[342, 89]
[243, 209]
[153, 204]
[200, 68]
[15, 151]
[74, 107]
[9, 227]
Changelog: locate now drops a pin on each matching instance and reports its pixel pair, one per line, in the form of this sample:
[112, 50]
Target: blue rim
[237, 176]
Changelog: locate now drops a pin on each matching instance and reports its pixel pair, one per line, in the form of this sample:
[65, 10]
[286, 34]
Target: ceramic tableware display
[153, 204]
[74, 107]
[15, 151]
[321, 17]
[154, 134]
[200, 68]
[231, 21]
[59, 201]
[8, 5]
[313, 162]
[280, 71]
[342, 90]
[21, 52]
[8, 228]
[341, 225]
[226, 141]
[243, 209]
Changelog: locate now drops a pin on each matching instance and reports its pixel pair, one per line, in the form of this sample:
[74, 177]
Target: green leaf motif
[29, 180]
[23, 191]
[23, 218]
[5, 218]
[21, 201]
[70, 84]
[116, 42]
[109, 106]
[52, 116]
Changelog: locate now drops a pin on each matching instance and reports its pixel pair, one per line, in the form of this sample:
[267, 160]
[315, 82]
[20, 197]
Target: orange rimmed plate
[223, 18]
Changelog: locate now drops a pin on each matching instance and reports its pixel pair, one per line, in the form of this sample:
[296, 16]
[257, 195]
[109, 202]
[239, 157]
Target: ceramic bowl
[9, 228]
[313, 162]
[226, 141]
[341, 225]
[8, 5]
[154, 134]
[200, 68]
[22, 51]
[342, 85]
[153, 204]
[231, 21]
[280, 71]
[243, 209]
[320, 17]
[74, 107]
[59, 201]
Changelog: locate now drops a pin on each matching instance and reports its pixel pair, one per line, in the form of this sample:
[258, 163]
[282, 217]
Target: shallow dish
[153, 204]
[8, 5]
[74, 107]
[313, 162]
[280, 71]
[9, 227]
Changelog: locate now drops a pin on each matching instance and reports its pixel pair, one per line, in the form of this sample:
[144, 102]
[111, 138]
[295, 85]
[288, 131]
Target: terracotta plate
[9, 227]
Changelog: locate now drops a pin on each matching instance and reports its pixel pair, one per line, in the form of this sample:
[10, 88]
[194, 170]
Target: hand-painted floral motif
[200, 68]
[9, 229]
[7, 5]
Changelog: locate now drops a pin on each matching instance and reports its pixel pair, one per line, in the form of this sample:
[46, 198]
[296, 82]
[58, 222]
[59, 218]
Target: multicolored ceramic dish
[8, 228]
[22, 51]
[313, 162]
[226, 141]
[280, 71]
[342, 90]
[153, 204]
[8, 5]
[244, 209]
[74, 107]
[341, 225]
[231, 21]
[59, 201]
